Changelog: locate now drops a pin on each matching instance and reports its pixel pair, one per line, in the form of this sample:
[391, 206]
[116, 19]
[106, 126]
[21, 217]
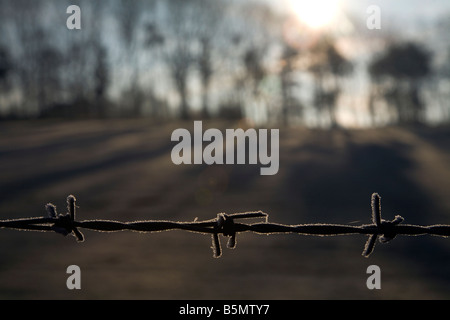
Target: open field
[121, 169]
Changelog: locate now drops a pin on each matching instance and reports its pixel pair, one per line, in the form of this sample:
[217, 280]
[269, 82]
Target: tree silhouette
[180, 32]
[397, 76]
[206, 72]
[101, 78]
[328, 67]
[288, 68]
[6, 68]
[128, 15]
[48, 77]
[6, 64]
[210, 18]
[253, 60]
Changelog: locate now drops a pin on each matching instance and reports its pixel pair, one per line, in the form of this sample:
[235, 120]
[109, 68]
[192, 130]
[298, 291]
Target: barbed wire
[226, 225]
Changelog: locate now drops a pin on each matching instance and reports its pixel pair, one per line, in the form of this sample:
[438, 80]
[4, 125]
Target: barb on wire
[227, 225]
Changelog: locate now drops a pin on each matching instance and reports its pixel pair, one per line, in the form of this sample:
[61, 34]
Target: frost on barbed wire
[226, 225]
[64, 224]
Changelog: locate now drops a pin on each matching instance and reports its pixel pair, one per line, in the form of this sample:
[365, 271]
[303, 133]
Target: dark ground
[121, 169]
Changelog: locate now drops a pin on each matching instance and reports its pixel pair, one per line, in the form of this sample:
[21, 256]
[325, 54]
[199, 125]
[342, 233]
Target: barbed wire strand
[226, 225]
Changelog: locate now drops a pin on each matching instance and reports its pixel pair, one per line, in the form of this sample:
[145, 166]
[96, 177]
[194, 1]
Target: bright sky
[406, 8]
[315, 14]
[409, 18]
[408, 13]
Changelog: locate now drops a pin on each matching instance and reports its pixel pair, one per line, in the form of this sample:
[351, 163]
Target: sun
[316, 14]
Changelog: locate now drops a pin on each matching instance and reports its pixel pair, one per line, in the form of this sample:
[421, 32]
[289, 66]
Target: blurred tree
[397, 76]
[154, 41]
[210, 19]
[48, 77]
[101, 79]
[29, 40]
[6, 64]
[6, 68]
[288, 59]
[154, 37]
[249, 41]
[128, 14]
[85, 69]
[76, 60]
[328, 67]
[253, 61]
[180, 61]
[206, 72]
[446, 67]
[190, 30]
[178, 52]
[443, 94]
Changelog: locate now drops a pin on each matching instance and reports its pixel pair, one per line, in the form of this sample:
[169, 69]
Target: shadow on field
[333, 193]
[122, 170]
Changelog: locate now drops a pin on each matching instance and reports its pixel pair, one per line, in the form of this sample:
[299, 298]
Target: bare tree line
[185, 59]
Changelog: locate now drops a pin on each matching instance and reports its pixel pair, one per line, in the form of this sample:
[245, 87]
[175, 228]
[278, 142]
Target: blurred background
[90, 112]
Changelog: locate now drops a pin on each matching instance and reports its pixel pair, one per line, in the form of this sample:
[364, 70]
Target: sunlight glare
[316, 14]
